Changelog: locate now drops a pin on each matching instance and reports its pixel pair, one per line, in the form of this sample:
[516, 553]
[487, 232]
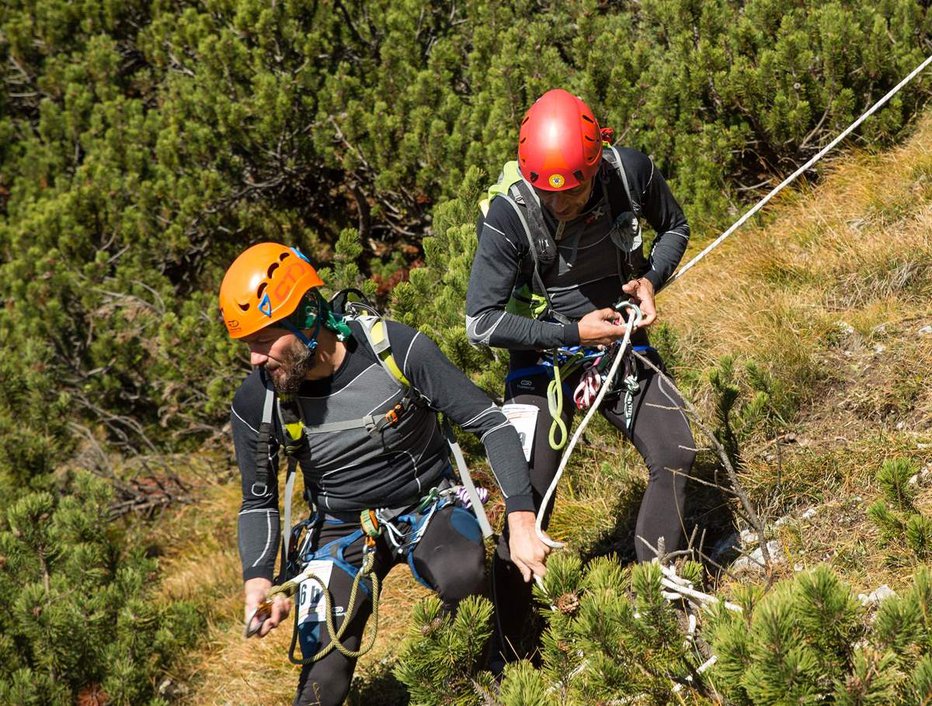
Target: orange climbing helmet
[560, 143]
[264, 285]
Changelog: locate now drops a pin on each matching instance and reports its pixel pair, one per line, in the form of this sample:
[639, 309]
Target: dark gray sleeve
[258, 521]
[502, 247]
[449, 391]
[663, 213]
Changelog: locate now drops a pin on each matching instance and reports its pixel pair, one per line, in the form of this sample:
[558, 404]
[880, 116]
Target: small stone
[879, 594]
[754, 562]
[810, 513]
[925, 330]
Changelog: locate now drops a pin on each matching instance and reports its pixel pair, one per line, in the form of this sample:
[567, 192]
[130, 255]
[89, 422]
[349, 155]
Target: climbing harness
[311, 575]
[308, 571]
[634, 319]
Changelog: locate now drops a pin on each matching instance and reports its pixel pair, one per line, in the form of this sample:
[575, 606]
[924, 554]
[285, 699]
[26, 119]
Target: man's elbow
[477, 332]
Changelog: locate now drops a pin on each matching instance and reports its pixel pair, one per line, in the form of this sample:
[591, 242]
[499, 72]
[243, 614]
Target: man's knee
[326, 682]
[451, 556]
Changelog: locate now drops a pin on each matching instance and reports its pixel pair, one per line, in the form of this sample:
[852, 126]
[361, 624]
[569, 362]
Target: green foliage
[611, 635]
[904, 524]
[893, 478]
[809, 641]
[442, 652]
[79, 615]
[145, 144]
[746, 403]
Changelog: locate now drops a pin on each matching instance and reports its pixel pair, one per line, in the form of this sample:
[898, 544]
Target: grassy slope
[829, 297]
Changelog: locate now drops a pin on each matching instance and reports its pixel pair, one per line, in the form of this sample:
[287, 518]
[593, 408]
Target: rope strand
[760, 204]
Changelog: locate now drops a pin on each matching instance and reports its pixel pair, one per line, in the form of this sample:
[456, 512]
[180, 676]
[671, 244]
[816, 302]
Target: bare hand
[258, 619]
[528, 553]
[601, 327]
[641, 292]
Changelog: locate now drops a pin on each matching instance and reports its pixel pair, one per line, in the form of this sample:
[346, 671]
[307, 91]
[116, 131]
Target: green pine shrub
[810, 641]
[79, 611]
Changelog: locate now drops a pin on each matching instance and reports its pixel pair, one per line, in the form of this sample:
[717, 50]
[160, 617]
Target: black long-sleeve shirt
[589, 269]
[350, 470]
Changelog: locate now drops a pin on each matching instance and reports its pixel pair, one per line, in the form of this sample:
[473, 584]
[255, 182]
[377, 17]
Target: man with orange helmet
[364, 443]
[560, 243]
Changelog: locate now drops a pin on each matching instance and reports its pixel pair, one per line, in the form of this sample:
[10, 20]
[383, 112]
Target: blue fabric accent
[311, 342]
[418, 522]
[464, 522]
[533, 371]
[265, 305]
[335, 551]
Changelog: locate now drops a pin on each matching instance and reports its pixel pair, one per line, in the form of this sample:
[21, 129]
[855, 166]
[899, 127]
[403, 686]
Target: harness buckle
[263, 493]
[369, 521]
[393, 416]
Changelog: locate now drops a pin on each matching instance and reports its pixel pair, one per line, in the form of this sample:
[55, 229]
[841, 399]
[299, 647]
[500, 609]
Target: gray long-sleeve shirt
[589, 269]
[349, 471]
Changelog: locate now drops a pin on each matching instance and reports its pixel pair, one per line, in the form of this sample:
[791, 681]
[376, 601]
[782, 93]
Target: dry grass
[830, 297]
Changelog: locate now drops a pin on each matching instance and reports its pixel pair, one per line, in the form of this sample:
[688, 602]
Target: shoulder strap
[614, 158]
[535, 273]
[376, 333]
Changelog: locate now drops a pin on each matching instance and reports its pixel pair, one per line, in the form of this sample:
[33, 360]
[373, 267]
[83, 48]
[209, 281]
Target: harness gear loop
[571, 359]
[634, 318]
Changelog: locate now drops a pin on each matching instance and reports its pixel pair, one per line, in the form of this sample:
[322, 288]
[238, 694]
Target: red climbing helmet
[560, 144]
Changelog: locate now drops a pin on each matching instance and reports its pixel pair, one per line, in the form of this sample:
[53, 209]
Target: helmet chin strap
[310, 342]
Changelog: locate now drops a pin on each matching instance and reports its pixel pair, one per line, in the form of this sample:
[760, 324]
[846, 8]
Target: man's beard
[295, 364]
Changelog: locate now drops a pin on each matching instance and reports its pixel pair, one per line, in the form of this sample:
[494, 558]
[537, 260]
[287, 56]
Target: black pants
[660, 433]
[450, 557]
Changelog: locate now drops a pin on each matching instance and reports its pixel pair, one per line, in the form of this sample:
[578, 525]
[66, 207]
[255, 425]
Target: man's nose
[257, 357]
[553, 200]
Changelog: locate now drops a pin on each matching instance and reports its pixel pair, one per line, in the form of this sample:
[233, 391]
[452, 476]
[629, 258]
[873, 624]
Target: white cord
[760, 204]
[634, 320]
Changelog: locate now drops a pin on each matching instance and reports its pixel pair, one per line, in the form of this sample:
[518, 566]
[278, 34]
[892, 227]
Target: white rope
[760, 204]
[634, 319]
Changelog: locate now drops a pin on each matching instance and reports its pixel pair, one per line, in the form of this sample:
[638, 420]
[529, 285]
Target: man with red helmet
[361, 422]
[560, 243]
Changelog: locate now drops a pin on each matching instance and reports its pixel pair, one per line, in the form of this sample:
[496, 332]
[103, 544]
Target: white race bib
[312, 608]
[523, 418]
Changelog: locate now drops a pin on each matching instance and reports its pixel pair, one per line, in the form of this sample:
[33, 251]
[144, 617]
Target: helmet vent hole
[589, 139]
[283, 256]
[579, 175]
[587, 119]
[244, 307]
[261, 289]
[272, 268]
[534, 177]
